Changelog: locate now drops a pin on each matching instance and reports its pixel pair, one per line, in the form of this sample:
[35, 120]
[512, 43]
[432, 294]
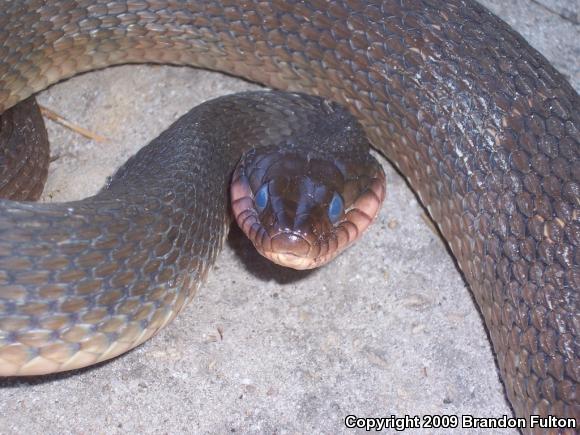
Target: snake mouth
[289, 249]
[288, 259]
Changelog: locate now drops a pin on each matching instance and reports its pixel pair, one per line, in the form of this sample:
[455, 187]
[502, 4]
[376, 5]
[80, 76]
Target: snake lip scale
[485, 130]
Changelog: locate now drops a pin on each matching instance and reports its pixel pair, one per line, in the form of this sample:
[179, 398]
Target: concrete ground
[389, 328]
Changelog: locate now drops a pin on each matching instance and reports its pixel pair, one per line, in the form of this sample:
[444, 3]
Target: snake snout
[291, 249]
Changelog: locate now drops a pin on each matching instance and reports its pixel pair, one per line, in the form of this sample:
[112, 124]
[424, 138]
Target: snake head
[301, 209]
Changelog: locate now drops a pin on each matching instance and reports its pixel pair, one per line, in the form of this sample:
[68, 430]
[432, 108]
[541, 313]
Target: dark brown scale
[446, 90]
[23, 152]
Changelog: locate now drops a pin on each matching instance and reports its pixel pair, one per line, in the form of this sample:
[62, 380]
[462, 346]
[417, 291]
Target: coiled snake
[444, 89]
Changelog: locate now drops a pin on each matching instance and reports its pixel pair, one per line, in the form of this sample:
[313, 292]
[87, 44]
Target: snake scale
[485, 130]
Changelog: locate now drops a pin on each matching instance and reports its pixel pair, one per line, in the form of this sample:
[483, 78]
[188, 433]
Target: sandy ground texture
[389, 328]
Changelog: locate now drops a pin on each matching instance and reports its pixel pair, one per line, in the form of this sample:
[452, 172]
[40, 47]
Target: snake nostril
[290, 243]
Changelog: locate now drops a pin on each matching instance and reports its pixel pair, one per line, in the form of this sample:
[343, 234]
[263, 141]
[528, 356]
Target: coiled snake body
[485, 130]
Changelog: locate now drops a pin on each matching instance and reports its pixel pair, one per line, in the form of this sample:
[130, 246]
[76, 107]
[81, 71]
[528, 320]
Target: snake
[483, 128]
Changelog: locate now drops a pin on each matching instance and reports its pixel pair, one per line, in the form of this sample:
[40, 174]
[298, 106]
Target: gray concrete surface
[389, 328]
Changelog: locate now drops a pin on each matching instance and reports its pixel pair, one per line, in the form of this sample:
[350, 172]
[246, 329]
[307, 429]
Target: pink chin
[290, 260]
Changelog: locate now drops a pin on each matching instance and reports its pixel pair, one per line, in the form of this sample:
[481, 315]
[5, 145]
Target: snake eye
[261, 198]
[335, 208]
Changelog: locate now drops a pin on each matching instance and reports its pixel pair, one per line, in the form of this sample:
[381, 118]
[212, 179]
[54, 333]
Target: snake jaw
[367, 206]
[310, 241]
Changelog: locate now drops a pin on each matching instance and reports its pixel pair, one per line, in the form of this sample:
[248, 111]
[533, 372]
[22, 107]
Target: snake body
[483, 128]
